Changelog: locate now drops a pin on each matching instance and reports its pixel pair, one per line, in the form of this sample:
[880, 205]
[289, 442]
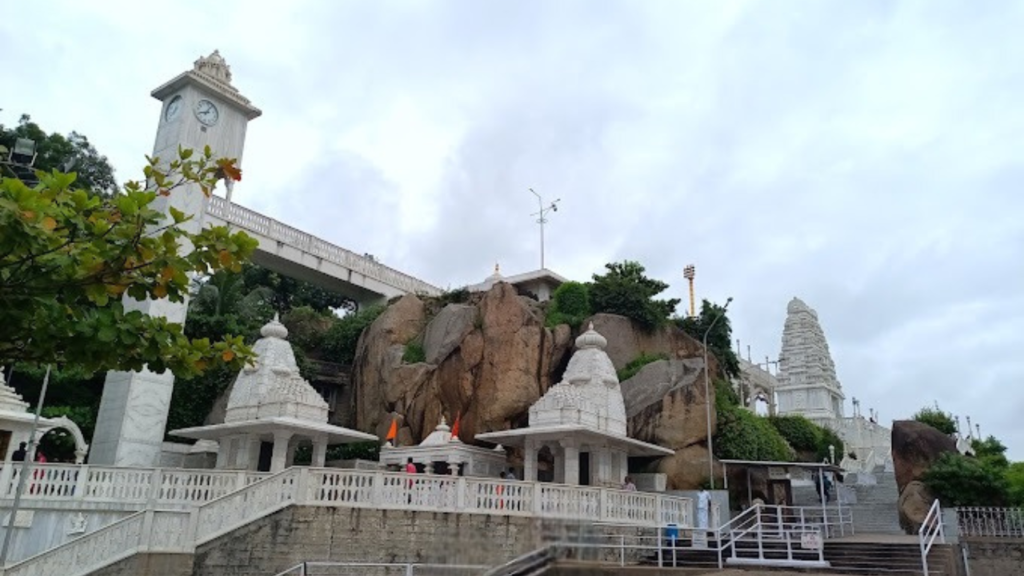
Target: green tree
[991, 452]
[625, 290]
[67, 256]
[1015, 483]
[936, 418]
[73, 153]
[290, 293]
[961, 481]
[743, 435]
[570, 304]
[720, 337]
[341, 339]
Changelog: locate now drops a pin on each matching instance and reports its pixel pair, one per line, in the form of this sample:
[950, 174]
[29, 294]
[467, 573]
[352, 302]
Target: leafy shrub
[807, 437]
[743, 435]
[961, 481]
[725, 395]
[456, 296]
[625, 290]
[634, 365]
[714, 322]
[802, 434]
[341, 339]
[936, 418]
[414, 353]
[570, 304]
[308, 327]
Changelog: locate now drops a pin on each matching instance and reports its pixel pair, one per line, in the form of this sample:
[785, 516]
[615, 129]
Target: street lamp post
[707, 395]
[25, 470]
[542, 220]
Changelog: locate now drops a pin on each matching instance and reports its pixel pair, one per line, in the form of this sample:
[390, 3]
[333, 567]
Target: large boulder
[915, 447]
[491, 358]
[914, 503]
[666, 403]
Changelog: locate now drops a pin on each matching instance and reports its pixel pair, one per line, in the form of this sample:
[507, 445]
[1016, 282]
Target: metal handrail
[930, 530]
[527, 563]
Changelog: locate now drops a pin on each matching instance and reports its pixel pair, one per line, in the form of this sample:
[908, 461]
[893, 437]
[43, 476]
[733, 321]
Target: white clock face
[207, 113]
[173, 109]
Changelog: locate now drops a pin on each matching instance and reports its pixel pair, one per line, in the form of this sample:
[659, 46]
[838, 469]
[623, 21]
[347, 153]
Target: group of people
[21, 453]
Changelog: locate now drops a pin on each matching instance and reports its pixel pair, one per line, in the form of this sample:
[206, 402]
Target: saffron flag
[455, 426]
[393, 431]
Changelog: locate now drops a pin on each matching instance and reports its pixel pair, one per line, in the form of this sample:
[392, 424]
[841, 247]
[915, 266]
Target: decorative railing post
[146, 534]
[538, 498]
[81, 489]
[6, 480]
[460, 493]
[156, 481]
[602, 504]
[303, 487]
[377, 493]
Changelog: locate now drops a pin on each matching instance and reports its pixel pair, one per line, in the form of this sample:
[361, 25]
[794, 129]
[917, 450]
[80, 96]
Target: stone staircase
[875, 501]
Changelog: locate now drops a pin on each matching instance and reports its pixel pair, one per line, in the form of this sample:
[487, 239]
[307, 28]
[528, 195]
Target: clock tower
[200, 108]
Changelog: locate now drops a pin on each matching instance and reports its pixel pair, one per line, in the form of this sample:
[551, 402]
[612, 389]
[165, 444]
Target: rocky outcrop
[491, 359]
[915, 447]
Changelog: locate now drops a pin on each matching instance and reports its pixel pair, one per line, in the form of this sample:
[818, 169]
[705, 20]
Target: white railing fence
[183, 531]
[930, 531]
[382, 569]
[164, 487]
[252, 221]
[990, 522]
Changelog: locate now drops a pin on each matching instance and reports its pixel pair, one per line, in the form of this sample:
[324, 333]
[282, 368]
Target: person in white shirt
[703, 503]
[628, 484]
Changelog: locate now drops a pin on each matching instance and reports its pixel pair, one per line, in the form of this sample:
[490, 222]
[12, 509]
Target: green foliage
[743, 435]
[961, 481]
[1015, 483]
[456, 296]
[936, 418]
[807, 437]
[357, 451]
[414, 353]
[288, 293]
[570, 304]
[714, 317]
[634, 365]
[59, 445]
[625, 290]
[991, 452]
[307, 327]
[341, 339]
[725, 395]
[69, 255]
[56, 152]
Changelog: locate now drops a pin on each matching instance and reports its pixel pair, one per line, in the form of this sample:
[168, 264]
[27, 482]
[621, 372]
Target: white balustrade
[988, 522]
[257, 223]
[138, 486]
[223, 501]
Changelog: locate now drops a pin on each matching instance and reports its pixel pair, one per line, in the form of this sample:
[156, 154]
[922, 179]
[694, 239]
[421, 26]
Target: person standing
[20, 453]
[628, 485]
[703, 503]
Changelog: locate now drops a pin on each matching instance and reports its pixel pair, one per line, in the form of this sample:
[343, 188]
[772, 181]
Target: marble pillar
[319, 451]
[571, 460]
[280, 455]
[530, 461]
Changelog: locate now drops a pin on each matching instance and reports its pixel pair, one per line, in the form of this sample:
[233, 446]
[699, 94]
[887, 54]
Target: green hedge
[634, 366]
[570, 304]
[743, 435]
[340, 341]
[807, 437]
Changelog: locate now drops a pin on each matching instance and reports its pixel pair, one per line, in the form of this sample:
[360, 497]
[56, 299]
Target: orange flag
[393, 431]
[455, 426]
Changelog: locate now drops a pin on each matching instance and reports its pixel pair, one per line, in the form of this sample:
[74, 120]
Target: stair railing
[930, 531]
[528, 563]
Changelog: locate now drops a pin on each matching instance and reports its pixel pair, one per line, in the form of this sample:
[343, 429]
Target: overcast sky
[862, 155]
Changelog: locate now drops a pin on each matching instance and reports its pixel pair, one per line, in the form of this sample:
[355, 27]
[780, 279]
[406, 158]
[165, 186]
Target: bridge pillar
[200, 108]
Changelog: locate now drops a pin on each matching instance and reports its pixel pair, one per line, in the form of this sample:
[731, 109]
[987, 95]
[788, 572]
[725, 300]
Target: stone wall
[995, 556]
[298, 534]
[150, 565]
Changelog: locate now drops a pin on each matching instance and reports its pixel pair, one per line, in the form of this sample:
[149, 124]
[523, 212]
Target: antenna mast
[689, 273]
[542, 220]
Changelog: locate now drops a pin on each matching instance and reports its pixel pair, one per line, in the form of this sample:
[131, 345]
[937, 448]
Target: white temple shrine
[16, 425]
[582, 422]
[441, 452]
[271, 411]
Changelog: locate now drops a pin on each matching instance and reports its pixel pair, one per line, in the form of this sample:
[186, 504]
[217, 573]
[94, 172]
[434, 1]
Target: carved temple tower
[807, 383]
[200, 108]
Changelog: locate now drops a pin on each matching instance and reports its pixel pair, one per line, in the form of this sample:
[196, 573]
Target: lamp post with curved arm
[707, 394]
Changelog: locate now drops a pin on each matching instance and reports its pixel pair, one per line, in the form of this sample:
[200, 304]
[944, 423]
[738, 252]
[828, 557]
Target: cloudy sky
[862, 155]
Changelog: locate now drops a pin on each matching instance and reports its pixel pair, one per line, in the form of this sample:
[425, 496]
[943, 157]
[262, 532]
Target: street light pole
[542, 220]
[707, 395]
[29, 455]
